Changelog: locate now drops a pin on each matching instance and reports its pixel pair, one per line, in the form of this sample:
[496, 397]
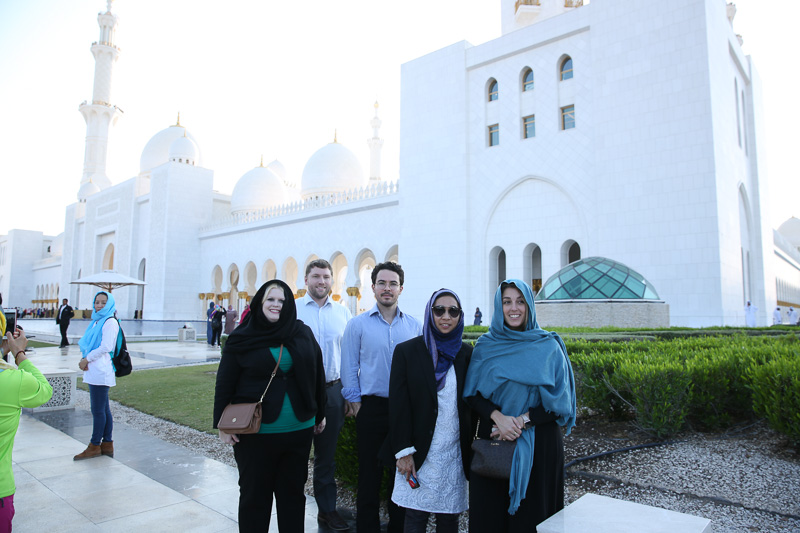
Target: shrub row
[666, 385]
[701, 382]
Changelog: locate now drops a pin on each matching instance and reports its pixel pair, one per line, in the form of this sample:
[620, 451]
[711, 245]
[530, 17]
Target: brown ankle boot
[107, 448]
[91, 451]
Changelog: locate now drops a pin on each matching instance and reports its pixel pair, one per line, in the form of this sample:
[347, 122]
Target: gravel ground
[747, 481]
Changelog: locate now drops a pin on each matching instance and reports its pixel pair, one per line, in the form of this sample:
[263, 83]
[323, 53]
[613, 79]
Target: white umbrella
[108, 280]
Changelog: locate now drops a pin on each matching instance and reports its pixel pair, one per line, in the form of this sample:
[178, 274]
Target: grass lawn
[184, 395]
[40, 344]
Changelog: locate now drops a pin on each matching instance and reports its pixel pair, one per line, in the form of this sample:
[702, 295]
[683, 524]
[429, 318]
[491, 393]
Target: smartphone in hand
[413, 482]
[11, 320]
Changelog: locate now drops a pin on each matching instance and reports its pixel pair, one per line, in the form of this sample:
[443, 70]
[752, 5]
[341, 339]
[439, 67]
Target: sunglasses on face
[439, 310]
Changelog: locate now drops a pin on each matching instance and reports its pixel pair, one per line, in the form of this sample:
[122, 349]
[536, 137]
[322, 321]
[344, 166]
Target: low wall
[65, 385]
[600, 313]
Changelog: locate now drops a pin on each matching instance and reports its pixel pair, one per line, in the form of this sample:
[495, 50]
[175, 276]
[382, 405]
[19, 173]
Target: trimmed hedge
[668, 380]
[666, 386]
[776, 394]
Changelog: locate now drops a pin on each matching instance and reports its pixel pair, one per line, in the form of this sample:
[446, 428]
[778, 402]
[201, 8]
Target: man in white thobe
[750, 315]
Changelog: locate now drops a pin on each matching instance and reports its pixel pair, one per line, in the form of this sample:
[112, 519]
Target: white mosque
[619, 129]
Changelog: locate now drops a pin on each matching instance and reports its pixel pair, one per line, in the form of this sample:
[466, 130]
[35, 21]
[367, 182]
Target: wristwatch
[527, 421]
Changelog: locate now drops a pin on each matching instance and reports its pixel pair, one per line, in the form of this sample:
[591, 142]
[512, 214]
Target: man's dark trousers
[63, 325]
[325, 450]
[372, 427]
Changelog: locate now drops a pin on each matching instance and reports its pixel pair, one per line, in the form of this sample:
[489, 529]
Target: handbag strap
[274, 371]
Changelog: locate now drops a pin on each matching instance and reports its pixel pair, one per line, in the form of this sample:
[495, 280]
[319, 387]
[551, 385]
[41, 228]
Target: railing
[376, 190]
[104, 43]
[526, 3]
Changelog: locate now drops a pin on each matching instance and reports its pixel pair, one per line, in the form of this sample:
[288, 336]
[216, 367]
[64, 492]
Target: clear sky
[268, 77]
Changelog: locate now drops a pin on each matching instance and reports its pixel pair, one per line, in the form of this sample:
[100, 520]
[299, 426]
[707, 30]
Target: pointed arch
[393, 254]
[289, 273]
[108, 257]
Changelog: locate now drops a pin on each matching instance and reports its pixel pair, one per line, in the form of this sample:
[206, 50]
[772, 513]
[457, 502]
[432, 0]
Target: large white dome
[156, 151]
[332, 168]
[258, 189]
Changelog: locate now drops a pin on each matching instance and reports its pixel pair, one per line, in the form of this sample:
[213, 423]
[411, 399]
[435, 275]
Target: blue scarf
[94, 333]
[442, 347]
[517, 370]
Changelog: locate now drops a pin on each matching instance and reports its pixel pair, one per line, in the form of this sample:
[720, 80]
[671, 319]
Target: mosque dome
[280, 171]
[156, 151]
[183, 150]
[258, 189]
[332, 168]
[597, 278]
[791, 231]
[87, 189]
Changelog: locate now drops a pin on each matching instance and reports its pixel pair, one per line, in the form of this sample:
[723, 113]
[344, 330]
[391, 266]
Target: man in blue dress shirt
[327, 319]
[367, 348]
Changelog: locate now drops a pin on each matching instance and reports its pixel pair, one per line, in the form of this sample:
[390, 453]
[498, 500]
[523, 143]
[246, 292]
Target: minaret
[99, 114]
[375, 145]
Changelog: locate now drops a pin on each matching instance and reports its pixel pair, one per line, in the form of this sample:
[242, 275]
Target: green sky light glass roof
[597, 278]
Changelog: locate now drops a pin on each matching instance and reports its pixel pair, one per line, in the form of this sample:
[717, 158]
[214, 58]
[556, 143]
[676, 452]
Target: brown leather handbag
[244, 418]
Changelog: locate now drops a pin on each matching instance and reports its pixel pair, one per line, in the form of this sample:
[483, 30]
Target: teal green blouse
[286, 421]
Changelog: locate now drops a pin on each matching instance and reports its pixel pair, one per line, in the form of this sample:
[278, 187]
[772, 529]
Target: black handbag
[492, 458]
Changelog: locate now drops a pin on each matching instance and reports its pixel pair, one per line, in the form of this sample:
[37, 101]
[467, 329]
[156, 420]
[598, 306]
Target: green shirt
[25, 387]
[286, 421]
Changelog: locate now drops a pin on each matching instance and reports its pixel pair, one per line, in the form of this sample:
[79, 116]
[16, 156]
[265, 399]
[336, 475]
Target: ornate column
[355, 295]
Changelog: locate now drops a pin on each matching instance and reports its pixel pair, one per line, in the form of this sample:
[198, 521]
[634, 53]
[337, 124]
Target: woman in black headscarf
[274, 460]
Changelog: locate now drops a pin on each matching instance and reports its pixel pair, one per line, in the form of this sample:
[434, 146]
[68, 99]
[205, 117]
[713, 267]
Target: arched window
[527, 80]
[566, 69]
[570, 252]
[108, 258]
[493, 90]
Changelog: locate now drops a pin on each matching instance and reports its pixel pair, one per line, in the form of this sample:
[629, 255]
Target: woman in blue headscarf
[97, 345]
[430, 426]
[521, 384]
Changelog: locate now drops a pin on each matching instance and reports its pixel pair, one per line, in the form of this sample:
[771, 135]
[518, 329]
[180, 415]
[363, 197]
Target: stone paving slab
[149, 485]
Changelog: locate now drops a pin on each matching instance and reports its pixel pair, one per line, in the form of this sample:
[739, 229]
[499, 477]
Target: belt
[332, 383]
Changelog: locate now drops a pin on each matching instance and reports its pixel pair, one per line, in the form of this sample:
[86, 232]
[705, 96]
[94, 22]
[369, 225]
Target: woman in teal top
[273, 461]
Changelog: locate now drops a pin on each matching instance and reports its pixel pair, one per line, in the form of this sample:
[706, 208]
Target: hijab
[517, 370]
[443, 347]
[256, 331]
[94, 333]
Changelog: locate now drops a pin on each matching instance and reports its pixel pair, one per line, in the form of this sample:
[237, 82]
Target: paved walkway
[150, 485]
[143, 355]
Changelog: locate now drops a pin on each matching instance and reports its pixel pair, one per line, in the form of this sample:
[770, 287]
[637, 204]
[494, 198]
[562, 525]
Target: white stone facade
[663, 171]
[652, 175]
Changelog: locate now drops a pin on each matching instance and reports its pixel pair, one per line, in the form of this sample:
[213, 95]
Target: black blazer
[413, 402]
[66, 315]
[242, 378]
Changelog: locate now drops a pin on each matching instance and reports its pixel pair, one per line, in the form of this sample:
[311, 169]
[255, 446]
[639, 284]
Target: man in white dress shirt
[327, 319]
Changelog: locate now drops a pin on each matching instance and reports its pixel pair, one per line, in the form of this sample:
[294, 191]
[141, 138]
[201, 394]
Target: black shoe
[333, 521]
